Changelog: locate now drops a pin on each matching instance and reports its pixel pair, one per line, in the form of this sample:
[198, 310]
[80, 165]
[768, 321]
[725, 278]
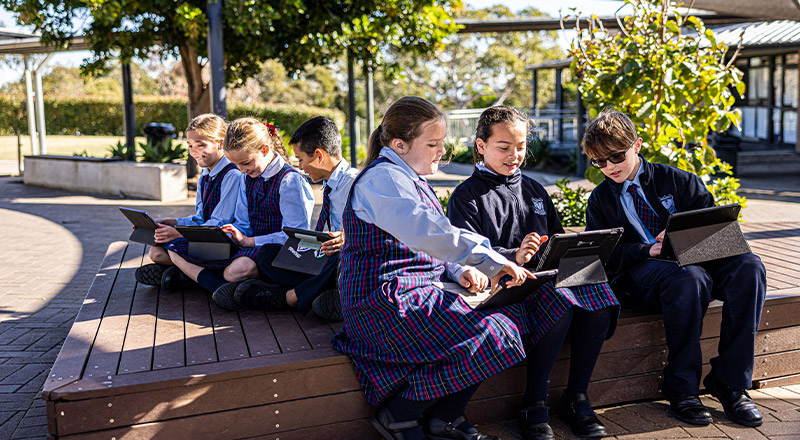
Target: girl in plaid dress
[415, 347]
[516, 214]
[217, 191]
[272, 194]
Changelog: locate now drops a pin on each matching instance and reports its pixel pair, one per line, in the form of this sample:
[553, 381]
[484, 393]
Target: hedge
[103, 117]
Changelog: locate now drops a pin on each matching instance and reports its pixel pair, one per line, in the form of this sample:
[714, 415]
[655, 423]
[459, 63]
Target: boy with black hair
[640, 196]
[317, 144]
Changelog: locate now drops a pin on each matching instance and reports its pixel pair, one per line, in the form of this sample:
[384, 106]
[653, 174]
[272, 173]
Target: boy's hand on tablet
[530, 245]
[655, 249]
[167, 221]
[660, 237]
[473, 280]
[333, 245]
[239, 238]
[518, 275]
[165, 233]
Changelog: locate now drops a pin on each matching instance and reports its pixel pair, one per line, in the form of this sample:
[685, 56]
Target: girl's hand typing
[333, 245]
[473, 280]
[165, 233]
[237, 236]
[518, 275]
[530, 244]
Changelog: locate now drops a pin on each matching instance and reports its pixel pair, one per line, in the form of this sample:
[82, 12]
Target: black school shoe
[224, 296]
[739, 407]
[174, 279]
[687, 407]
[260, 295]
[576, 411]
[150, 274]
[328, 305]
[534, 422]
[458, 429]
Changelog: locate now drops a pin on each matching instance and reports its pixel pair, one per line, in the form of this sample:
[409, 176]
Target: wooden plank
[228, 333]
[72, 357]
[104, 357]
[288, 332]
[168, 351]
[201, 347]
[776, 365]
[361, 429]
[187, 400]
[317, 331]
[783, 381]
[247, 422]
[258, 333]
[137, 352]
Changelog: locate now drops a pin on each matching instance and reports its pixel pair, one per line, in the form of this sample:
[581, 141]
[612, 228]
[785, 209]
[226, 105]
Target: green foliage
[118, 150]
[444, 200]
[457, 151]
[538, 151]
[165, 151]
[724, 191]
[67, 81]
[675, 86]
[103, 116]
[571, 203]
[83, 153]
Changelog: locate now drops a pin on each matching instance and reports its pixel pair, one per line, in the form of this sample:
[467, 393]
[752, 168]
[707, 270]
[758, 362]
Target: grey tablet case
[702, 235]
[208, 242]
[144, 227]
[579, 257]
[301, 252]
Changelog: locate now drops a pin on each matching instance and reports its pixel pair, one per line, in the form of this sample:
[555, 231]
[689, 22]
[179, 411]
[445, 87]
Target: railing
[461, 125]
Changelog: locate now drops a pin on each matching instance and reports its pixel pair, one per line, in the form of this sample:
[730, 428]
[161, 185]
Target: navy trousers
[682, 294]
[307, 287]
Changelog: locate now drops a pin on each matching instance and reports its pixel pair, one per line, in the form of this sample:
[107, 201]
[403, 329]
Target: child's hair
[403, 120]
[209, 126]
[499, 114]
[610, 132]
[319, 132]
[250, 135]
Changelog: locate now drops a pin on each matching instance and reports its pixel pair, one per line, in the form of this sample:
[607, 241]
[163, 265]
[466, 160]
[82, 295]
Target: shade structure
[761, 9]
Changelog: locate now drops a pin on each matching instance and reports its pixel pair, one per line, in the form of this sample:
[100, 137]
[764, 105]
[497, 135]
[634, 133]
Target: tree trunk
[199, 97]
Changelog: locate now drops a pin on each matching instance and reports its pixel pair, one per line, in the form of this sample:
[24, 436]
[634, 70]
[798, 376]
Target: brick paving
[53, 242]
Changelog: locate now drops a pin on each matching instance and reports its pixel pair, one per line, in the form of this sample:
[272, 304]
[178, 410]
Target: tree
[67, 81]
[677, 86]
[296, 32]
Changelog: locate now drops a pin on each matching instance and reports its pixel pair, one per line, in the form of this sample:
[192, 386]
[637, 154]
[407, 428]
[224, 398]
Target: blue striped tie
[646, 214]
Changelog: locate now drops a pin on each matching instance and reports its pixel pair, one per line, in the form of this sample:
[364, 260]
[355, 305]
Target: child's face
[251, 163]
[205, 151]
[426, 150]
[625, 170]
[311, 164]
[504, 151]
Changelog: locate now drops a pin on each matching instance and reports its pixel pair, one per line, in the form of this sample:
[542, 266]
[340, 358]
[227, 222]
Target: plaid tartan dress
[405, 336]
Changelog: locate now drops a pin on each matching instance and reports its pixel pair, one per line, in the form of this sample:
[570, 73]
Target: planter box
[108, 176]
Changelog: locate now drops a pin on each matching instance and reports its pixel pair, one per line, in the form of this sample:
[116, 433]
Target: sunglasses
[614, 158]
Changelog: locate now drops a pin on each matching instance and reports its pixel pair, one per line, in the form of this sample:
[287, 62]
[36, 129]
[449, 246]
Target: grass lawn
[96, 146]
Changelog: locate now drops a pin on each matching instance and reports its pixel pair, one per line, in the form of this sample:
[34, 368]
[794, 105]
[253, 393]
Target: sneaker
[150, 274]
[260, 295]
[174, 279]
[223, 296]
[328, 306]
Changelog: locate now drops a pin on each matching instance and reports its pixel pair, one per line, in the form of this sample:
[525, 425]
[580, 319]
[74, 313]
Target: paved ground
[53, 241]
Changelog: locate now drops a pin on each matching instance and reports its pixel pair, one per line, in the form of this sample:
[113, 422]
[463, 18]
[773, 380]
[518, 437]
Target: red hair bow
[272, 130]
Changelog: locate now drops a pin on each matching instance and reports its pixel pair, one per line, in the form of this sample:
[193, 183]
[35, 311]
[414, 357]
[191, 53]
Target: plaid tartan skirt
[181, 247]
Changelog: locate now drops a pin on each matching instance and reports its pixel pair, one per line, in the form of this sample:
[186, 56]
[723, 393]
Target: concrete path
[52, 243]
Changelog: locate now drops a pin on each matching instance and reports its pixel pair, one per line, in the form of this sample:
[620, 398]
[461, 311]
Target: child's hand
[530, 244]
[660, 237]
[237, 236]
[655, 249]
[167, 221]
[333, 245]
[473, 280]
[165, 234]
[518, 275]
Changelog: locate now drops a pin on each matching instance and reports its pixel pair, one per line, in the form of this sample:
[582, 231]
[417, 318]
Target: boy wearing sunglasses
[640, 196]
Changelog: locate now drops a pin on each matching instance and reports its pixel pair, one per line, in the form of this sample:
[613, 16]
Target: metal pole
[559, 106]
[37, 81]
[580, 163]
[19, 154]
[31, 108]
[351, 109]
[128, 116]
[370, 103]
[216, 57]
[535, 88]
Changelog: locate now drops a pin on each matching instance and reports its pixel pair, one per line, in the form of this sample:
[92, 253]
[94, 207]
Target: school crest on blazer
[668, 202]
[538, 206]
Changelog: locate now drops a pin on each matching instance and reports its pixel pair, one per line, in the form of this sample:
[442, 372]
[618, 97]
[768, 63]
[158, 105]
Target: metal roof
[760, 34]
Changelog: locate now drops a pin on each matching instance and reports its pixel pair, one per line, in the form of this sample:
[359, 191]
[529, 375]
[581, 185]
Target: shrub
[457, 151]
[571, 203]
[164, 151]
[538, 151]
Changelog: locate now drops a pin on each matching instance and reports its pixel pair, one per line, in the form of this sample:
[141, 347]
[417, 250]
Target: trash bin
[156, 132]
[727, 146]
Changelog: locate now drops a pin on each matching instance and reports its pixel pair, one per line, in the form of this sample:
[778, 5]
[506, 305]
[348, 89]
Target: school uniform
[642, 206]
[404, 335]
[307, 287]
[505, 209]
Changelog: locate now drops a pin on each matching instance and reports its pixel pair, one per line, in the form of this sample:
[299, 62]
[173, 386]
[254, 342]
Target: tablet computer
[144, 227]
[501, 295]
[703, 235]
[301, 252]
[579, 256]
[208, 242]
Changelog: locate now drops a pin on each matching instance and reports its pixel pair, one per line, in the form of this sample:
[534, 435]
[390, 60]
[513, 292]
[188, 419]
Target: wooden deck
[144, 363]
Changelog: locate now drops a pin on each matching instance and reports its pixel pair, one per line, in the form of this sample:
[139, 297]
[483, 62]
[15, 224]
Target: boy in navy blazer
[640, 196]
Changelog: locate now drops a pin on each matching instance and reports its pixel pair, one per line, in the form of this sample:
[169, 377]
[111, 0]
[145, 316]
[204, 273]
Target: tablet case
[579, 257]
[301, 252]
[144, 227]
[702, 235]
[208, 243]
[501, 296]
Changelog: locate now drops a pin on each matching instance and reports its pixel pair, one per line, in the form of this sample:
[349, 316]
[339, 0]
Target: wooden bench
[144, 363]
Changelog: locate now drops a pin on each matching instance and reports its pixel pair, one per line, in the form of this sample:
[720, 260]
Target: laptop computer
[501, 295]
[579, 256]
[301, 252]
[208, 243]
[705, 234]
[144, 227]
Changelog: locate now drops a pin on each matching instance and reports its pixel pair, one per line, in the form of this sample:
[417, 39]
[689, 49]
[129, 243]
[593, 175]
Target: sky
[550, 7]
